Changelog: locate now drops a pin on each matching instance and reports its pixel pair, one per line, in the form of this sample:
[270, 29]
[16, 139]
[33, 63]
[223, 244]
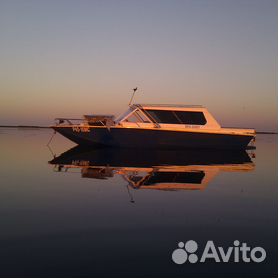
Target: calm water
[117, 213]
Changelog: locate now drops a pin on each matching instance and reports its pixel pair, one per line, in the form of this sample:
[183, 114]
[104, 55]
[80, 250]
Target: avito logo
[236, 253]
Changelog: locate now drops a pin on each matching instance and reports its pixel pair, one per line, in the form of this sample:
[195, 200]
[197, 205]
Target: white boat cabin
[167, 116]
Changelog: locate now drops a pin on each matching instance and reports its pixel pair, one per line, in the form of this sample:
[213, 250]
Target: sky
[70, 58]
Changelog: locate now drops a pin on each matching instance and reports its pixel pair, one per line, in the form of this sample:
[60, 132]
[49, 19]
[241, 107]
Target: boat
[161, 126]
[153, 169]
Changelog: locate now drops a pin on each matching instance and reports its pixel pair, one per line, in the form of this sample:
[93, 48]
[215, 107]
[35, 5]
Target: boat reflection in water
[154, 169]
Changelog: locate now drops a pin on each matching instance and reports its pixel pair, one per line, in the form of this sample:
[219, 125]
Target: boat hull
[152, 138]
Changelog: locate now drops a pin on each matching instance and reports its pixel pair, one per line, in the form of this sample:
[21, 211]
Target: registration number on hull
[80, 129]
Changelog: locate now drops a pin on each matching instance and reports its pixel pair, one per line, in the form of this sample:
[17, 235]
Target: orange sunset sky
[69, 58]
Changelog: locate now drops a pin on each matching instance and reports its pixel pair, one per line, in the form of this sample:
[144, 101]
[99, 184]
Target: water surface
[115, 213]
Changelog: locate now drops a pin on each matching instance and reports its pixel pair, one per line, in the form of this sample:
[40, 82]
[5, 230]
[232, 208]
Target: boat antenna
[134, 90]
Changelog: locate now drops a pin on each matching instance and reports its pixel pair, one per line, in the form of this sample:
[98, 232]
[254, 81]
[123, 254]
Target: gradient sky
[69, 58]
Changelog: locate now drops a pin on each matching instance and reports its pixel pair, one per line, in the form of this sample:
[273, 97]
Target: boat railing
[94, 120]
[103, 120]
[69, 121]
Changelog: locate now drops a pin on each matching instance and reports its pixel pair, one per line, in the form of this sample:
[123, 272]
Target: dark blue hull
[153, 138]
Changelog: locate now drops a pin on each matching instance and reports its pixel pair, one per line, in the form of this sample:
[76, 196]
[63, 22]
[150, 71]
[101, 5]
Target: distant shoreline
[265, 132]
[24, 126]
[36, 126]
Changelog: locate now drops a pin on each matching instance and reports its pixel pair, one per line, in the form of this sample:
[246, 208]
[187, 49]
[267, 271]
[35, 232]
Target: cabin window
[137, 117]
[176, 177]
[164, 116]
[142, 116]
[132, 119]
[178, 117]
[191, 117]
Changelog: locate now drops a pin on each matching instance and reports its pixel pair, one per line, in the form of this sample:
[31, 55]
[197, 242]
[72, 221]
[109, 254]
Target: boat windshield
[137, 116]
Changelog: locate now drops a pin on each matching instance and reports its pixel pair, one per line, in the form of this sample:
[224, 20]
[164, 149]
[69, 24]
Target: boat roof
[171, 106]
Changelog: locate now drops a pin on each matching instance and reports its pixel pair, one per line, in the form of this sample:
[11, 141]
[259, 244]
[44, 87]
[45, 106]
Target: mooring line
[51, 138]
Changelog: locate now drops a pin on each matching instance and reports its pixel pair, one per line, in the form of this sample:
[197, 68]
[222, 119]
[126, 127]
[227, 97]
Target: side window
[137, 117]
[191, 117]
[132, 119]
[142, 116]
[177, 117]
[164, 116]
